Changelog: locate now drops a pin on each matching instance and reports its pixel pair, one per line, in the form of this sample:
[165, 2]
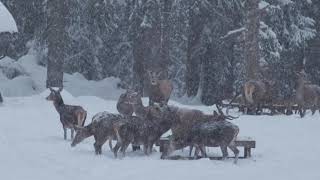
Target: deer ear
[50, 88]
[60, 89]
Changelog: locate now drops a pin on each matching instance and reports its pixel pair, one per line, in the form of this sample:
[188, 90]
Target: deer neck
[140, 110]
[301, 84]
[59, 105]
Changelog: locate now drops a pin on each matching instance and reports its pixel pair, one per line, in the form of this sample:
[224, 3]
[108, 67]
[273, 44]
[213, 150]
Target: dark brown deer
[103, 127]
[257, 93]
[307, 94]
[160, 89]
[146, 132]
[123, 105]
[70, 116]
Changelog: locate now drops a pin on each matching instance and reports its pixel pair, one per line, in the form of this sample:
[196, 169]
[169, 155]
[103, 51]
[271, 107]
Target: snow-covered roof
[7, 22]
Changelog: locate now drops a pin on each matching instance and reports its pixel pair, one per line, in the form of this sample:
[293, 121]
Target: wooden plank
[178, 157]
[240, 141]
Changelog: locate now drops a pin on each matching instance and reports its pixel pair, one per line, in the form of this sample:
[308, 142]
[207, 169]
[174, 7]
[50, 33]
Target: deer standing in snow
[70, 116]
[307, 94]
[123, 106]
[160, 89]
[257, 92]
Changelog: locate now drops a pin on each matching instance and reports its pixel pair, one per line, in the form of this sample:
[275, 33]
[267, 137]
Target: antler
[219, 110]
[228, 117]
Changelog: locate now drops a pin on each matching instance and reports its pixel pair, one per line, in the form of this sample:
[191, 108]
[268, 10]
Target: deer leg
[110, 143]
[203, 151]
[301, 111]
[145, 148]
[64, 133]
[190, 150]
[116, 149]
[196, 152]
[313, 110]
[124, 148]
[97, 148]
[72, 134]
[235, 150]
[314, 107]
[224, 150]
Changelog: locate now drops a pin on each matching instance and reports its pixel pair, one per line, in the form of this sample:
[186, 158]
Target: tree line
[208, 48]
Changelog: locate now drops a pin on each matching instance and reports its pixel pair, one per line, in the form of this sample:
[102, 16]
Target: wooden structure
[246, 142]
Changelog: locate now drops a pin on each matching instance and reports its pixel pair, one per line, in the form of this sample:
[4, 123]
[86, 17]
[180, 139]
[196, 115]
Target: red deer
[70, 116]
[307, 94]
[160, 89]
[146, 132]
[257, 93]
[206, 133]
[103, 127]
[123, 106]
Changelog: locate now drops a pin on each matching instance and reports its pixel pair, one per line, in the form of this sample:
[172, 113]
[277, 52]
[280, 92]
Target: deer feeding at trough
[189, 129]
[103, 127]
[159, 89]
[146, 132]
[70, 116]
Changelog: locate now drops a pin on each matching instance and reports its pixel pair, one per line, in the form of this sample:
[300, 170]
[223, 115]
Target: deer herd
[258, 93]
[141, 125]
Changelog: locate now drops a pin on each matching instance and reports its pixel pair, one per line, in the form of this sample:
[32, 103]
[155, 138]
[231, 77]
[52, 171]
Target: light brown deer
[307, 94]
[70, 116]
[160, 89]
[257, 93]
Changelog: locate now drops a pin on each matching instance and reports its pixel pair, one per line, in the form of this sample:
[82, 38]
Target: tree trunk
[196, 23]
[166, 6]
[57, 37]
[251, 53]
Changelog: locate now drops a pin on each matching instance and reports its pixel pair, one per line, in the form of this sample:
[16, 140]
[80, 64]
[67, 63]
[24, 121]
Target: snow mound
[26, 77]
[8, 23]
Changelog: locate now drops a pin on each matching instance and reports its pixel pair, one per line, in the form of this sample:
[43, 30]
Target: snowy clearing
[32, 147]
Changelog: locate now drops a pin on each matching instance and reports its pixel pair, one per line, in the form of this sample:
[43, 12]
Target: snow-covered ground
[32, 148]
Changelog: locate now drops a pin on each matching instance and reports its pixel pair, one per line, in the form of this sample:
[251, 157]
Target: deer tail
[248, 92]
[84, 118]
[81, 117]
[116, 131]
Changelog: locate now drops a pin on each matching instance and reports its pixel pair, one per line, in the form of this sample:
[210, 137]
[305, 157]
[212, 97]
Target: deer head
[54, 95]
[82, 133]
[133, 97]
[154, 76]
[302, 77]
